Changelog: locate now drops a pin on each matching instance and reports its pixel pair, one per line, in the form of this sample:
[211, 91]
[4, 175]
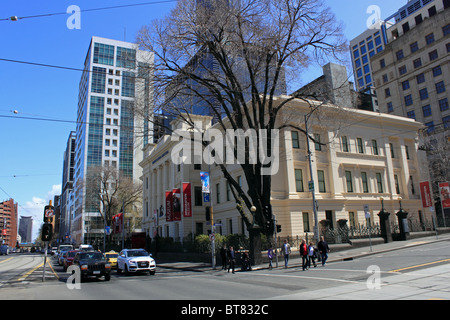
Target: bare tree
[109, 192]
[230, 59]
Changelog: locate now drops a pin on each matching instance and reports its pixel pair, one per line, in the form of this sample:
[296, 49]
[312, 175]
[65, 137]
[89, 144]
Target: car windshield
[111, 255]
[71, 253]
[137, 253]
[92, 255]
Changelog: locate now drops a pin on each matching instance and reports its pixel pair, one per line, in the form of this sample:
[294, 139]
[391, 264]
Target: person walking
[223, 255]
[323, 250]
[270, 256]
[286, 248]
[304, 255]
[311, 255]
[231, 259]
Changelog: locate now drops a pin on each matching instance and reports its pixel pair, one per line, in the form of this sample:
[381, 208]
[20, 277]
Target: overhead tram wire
[15, 18]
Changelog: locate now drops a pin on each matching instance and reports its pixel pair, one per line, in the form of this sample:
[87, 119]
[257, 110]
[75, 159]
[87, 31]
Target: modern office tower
[67, 186]
[114, 91]
[8, 222]
[26, 229]
[374, 40]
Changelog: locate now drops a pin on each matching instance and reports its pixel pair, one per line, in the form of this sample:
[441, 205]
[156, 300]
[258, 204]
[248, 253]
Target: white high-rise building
[116, 79]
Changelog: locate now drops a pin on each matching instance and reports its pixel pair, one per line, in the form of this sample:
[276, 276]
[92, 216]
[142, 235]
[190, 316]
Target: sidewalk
[295, 260]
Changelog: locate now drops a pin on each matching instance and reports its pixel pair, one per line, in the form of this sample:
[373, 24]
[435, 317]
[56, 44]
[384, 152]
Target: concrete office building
[373, 156]
[26, 229]
[116, 79]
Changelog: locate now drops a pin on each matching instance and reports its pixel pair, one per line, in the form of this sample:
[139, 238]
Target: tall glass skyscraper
[114, 86]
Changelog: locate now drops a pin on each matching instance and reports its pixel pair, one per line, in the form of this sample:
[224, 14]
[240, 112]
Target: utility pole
[312, 190]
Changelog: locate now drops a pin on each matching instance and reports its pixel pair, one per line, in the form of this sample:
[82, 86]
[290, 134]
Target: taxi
[111, 257]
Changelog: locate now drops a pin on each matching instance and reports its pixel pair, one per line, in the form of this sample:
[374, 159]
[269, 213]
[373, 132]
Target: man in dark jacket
[231, 259]
[304, 254]
[323, 249]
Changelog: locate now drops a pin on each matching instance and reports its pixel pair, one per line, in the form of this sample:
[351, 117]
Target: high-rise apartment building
[8, 223]
[114, 85]
[26, 229]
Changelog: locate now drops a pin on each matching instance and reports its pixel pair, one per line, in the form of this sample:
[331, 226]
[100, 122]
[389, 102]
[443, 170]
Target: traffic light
[48, 214]
[278, 228]
[47, 232]
[269, 225]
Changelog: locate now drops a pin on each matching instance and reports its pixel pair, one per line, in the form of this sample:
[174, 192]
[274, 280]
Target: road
[419, 272]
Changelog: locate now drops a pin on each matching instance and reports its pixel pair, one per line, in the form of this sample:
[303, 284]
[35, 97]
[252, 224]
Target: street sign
[49, 213]
[311, 186]
[212, 237]
[205, 197]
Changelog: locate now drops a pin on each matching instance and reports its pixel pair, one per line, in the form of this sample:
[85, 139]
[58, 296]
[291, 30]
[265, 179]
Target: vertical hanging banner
[169, 206]
[444, 192]
[425, 194]
[176, 198]
[187, 200]
[204, 176]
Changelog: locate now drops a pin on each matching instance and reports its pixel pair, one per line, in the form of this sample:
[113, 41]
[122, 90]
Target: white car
[135, 260]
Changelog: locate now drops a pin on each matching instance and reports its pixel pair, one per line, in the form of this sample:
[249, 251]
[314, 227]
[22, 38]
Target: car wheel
[152, 272]
[126, 269]
[107, 277]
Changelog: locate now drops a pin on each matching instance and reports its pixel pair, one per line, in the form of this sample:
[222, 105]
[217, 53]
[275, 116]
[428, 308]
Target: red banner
[169, 206]
[444, 192]
[117, 221]
[425, 194]
[176, 198]
[187, 200]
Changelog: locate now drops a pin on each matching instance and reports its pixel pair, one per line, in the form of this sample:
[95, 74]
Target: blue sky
[31, 151]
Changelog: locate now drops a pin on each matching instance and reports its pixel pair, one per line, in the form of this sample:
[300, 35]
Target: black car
[92, 264]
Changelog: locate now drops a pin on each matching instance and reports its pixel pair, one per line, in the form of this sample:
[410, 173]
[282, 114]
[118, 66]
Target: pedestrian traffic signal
[47, 232]
[278, 228]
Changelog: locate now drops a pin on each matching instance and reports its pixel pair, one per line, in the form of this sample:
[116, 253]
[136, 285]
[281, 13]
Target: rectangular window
[391, 146]
[407, 152]
[217, 192]
[348, 179]
[305, 217]
[417, 63]
[402, 70]
[443, 104]
[321, 180]
[379, 182]
[433, 55]
[365, 183]
[344, 144]
[408, 100]
[299, 180]
[295, 141]
[198, 196]
[414, 47]
[397, 186]
[437, 71]
[405, 85]
[360, 145]
[440, 87]
[426, 110]
[423, 93]
[413, 191]
[399, 54]
[390, 107]
[411, 114]
[317, 144]
[103, 54]
[420, 78]
[375, 147]
[429, 38]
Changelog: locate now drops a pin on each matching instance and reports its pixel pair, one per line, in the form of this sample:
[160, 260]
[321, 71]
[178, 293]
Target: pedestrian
[311, 255]
[304, 255]
[270, 256]
[223, 255]
[323, 250]
[286, 248]
[231, 259]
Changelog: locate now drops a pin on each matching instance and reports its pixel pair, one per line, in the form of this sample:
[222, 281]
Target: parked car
[4, 250]
[68, 259]
[92, 263]
[85, 247]
[54, 249]
[135, 260]
[111, 257]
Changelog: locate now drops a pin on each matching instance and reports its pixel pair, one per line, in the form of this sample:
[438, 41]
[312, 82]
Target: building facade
[26, 229]
[367, 157]
[8, 222]
[114, 85]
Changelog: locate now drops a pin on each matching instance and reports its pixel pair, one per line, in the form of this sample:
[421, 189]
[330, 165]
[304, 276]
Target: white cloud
[35, 208]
